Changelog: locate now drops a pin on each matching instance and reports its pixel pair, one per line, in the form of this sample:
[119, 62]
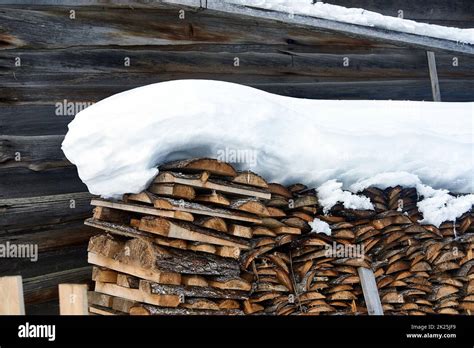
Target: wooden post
[371, 293]
[73, 299]
[433, 76]
[11, 296]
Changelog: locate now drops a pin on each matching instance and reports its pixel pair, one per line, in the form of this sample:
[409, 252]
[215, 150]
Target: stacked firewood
[326, 272]
[394, 198]
[269, 260]
[204, 238]
[419, 269]
[175, 247]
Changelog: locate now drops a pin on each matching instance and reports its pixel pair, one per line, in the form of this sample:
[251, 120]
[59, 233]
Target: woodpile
[207, 239]
[327, 280]
[419, 269]
[175, 248]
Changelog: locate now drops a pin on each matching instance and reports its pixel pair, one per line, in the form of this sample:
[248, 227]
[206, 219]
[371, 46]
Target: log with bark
[207, 239]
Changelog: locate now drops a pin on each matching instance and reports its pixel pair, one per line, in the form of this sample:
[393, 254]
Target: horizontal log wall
[42, 200]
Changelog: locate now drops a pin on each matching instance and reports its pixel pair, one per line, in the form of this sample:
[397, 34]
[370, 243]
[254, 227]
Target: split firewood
[142, 197]
[296, 188]
[194, 280]
[98, 299]
[303, 201]
[137, 295]
[173, 190]
[200, 303]
[98, 310]
[135, 270]
[228, 304]
[214, 198]
[127, 281]
[240, 231]
[202, 181]
[213, 223]
[111, 215]
[250, 178]
[193, 291]
[279, 190]
[247, 247]
[190, 232]
[163, 203]
[151, 256]
[122, 305]
[104, 275]
[145, 309]
[278, 202]
[210, 165]
[180, 215]
[230, 283]
[250, 205]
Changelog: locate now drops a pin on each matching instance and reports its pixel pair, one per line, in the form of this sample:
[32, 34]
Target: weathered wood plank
[22, 182]
[35, 153]
[145, 309]
[358, 31]
[432, 11]
[73, 299]
[32, 119]
[397, 89]
[134, 270]
[44, 287]
[194, 291]
[256, 60]
[137, 295]
[53, 237]
[371, 294]
[160, 26]
[19, 213]
[11, 296]
[433, 76]
[50, 261]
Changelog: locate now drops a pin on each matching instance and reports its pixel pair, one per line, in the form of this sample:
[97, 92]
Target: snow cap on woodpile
[117, 143]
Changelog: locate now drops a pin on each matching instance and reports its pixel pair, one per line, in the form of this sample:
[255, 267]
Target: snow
[439, 206]
[385, 180]
[331, 192]
[117, 143]
[360, 16]
[436, 206]
[320, 226]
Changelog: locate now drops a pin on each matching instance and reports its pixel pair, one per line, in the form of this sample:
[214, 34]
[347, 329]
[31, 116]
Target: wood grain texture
[35, 153]
[257, 60]
[151, 26]
[32, 119]
[73, 299]
[432, 11]
[371, 294]
[44, 287]
[11, 296]
[52, 237]
[48, 262]
[22, 182]
[379, 89]
[21, 213]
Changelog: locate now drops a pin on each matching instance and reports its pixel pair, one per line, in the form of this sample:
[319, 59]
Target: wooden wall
[42, 199]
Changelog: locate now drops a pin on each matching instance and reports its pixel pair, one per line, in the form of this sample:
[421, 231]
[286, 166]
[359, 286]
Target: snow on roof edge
[348, 20]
